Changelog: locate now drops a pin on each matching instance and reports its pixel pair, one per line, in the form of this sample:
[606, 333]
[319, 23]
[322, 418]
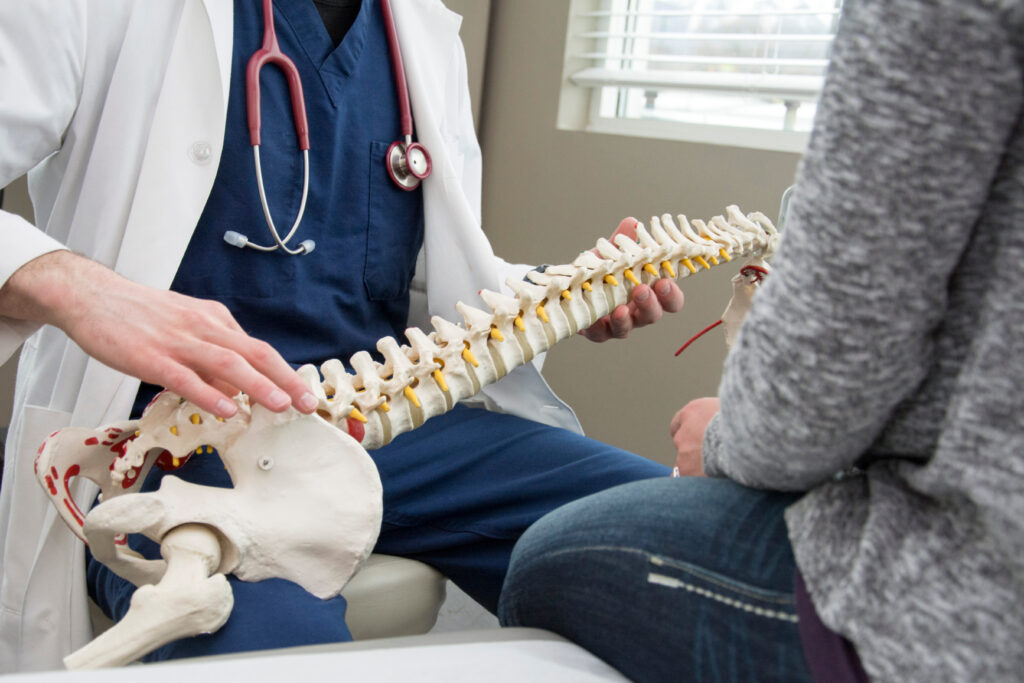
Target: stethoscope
[408, 162]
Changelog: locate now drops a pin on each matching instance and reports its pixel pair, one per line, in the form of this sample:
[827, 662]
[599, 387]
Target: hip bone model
[306, 503]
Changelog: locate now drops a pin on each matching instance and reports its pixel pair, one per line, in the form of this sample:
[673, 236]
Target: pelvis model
[306, 503]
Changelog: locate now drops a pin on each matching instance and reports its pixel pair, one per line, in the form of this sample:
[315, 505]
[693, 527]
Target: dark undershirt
[338, 16]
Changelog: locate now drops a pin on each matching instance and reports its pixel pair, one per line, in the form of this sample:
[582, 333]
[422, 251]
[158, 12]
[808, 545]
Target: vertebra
[426, 377]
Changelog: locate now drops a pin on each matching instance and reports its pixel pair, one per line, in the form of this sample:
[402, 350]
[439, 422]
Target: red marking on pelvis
[73, 509]
[91, 441]
[355, 429]
[129, 479]
[165, 461]
[69, 502]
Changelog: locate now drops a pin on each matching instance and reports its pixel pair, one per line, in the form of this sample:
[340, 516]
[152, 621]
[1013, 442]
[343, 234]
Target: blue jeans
[458, 493]
[667, 580]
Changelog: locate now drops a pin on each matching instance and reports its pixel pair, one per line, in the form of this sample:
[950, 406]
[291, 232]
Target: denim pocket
[394, 231]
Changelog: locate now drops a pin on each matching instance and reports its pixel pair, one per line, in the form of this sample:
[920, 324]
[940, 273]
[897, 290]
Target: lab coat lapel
[182, 152]
[459, 259]
[427, 32]
[177, 173]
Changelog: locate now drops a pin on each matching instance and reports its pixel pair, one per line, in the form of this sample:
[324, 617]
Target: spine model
[435, 371]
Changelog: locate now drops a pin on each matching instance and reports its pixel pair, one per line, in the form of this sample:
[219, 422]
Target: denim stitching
[684, 567]
[672, 582]
[712, 577]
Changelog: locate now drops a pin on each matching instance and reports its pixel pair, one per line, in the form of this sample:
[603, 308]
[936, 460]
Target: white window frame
[580, 99]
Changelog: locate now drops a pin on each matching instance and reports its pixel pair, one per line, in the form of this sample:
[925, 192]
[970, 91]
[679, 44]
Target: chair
[389, 597]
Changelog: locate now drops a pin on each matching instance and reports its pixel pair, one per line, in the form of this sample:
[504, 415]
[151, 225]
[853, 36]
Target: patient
[865, 515]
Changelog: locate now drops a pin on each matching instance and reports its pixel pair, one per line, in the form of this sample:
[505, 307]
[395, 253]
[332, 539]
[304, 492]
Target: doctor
[130, 118]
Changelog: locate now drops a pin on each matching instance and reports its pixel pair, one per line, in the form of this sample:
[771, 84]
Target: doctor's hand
[646, 305]
[687, 429]
[193, 347]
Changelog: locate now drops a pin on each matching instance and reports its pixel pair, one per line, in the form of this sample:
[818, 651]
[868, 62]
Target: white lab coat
[118, 109]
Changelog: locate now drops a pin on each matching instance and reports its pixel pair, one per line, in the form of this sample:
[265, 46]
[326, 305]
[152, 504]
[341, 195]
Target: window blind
[728, 62]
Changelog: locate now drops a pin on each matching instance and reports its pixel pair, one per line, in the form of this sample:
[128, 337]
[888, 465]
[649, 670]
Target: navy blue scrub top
[354, 288]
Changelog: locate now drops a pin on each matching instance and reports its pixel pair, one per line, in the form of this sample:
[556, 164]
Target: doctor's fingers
[627, 227]
[234, 359]
[643, 309]
[208, 375]
[670, 297]
[649, 303]
[615, 325]
[183, 381]
[207, 340]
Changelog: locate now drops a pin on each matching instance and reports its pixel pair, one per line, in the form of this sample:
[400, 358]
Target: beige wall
[548, 194]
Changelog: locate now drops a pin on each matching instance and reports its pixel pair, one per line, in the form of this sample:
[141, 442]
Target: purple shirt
[830, 657]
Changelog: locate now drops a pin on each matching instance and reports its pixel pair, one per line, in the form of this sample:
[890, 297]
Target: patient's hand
[687, 430]
[646, 305]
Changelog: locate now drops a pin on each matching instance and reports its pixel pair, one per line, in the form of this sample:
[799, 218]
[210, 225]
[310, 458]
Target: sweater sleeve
[920, 99]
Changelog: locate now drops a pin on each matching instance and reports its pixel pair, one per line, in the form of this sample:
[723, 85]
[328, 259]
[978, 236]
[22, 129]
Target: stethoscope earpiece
[408, 164]
[237, 239]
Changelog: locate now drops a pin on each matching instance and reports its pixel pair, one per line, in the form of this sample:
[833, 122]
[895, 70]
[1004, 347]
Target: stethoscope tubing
[398, 66]
[271, 52]
[282, 243]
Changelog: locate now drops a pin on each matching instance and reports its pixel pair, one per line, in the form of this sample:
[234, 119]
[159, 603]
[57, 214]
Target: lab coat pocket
[44, 571]
[394, 232]
[28, 519]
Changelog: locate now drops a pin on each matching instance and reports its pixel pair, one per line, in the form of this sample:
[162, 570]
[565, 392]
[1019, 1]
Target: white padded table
[512, 655]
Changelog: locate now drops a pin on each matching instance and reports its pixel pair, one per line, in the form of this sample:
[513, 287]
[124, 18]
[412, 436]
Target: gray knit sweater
[882, 366]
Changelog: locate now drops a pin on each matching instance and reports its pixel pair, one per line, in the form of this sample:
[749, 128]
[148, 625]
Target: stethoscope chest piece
[408, 164]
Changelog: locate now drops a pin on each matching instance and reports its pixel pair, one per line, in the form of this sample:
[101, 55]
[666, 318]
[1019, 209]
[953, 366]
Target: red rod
[699, 335]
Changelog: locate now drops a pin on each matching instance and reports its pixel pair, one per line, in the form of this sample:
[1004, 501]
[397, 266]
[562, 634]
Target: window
[737, 72]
